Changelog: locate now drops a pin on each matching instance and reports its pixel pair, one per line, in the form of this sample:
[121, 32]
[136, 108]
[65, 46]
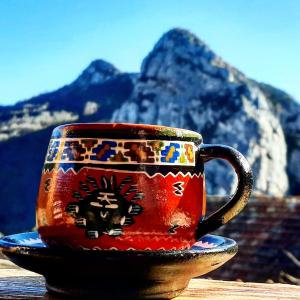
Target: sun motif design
[103, 207]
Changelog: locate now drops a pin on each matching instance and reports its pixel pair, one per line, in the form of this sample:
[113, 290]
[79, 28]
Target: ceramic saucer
[117, 274]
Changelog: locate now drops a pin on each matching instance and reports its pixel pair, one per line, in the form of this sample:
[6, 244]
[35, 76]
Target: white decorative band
[111, 151]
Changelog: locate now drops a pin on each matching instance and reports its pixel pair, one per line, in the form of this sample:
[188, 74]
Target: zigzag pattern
[174, 175]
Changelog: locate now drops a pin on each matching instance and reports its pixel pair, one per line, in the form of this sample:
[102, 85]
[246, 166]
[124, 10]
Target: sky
[47, 44]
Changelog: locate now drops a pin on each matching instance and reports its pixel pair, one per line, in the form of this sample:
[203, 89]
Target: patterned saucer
[114, 274]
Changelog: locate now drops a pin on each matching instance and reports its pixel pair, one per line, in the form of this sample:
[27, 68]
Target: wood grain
[16, 283]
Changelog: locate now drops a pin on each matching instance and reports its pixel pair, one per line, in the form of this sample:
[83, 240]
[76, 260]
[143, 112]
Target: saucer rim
[5, 246]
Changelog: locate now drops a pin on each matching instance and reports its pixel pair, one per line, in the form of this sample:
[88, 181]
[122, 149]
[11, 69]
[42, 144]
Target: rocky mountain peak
[179, 48]
[97, 72]
[185, 84]
[181, 39]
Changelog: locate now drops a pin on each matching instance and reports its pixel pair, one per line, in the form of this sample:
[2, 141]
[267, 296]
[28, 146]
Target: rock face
[182, 83]
[288, 112]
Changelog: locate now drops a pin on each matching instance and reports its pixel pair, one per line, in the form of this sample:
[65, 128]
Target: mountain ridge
[182, 83]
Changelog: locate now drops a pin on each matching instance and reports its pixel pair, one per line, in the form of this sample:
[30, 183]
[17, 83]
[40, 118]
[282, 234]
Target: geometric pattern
[110, 151]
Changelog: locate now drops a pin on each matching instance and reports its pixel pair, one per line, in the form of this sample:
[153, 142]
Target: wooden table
[17, 283]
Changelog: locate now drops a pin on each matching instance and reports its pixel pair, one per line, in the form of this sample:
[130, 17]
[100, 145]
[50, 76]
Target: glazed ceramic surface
[117, 274]
[127, 186]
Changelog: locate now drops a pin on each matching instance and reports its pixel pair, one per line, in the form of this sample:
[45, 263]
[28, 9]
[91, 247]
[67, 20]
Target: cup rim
[129, 128]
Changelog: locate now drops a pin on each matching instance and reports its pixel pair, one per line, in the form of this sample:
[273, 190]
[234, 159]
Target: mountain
[99, 85]
[25, 129]
[182, 83]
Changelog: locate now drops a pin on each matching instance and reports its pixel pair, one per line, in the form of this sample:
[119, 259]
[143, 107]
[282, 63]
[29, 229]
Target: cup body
[121, 186]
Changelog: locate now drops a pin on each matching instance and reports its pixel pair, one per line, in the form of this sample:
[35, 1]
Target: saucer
[114, 274]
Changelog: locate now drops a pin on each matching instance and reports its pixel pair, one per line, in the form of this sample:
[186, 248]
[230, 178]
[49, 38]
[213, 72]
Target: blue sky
[46, 44]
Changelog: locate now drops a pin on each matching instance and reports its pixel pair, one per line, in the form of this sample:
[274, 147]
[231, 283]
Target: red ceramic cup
[131, 186]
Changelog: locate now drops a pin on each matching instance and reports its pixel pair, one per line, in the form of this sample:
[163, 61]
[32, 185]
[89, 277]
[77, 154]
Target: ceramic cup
[131, 186]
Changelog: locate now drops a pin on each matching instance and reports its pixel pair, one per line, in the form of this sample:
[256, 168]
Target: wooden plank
[229, 290]
[22, 284]
[22, 287]
[7, 264]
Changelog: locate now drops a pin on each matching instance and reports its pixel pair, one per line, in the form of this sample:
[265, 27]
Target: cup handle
[241, 196]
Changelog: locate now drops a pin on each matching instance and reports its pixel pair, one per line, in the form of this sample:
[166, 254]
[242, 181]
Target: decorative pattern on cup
[118, 151]
[119, 209]
[103, 207]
